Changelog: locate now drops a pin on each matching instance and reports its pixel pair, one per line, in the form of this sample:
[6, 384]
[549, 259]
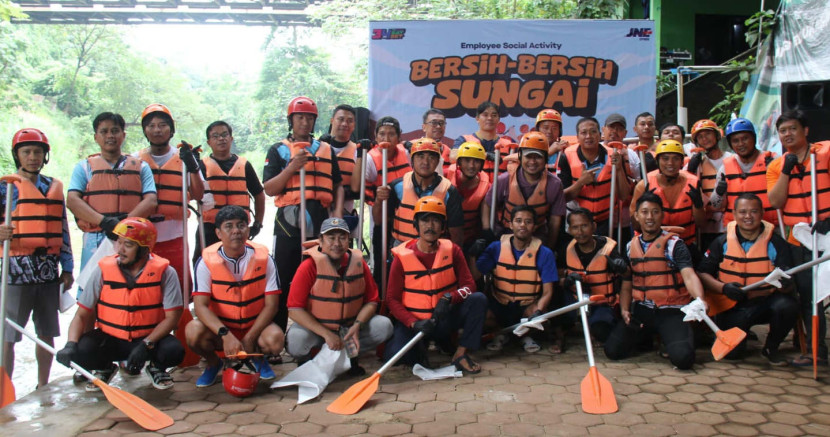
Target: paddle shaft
[644, 175]
[362, 200]
[384, 224]
[4, 287]
[792, 271]
[497, 155]
[710, 323]
[814, 204]
[185, 249]
[551, 314]
[586, 332]
[781, 224]
[49, 349]
[301, 216]
[611, 205]
[401, 353]
[202, 241]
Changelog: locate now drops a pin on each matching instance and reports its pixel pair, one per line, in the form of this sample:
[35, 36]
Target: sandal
[470, 364]
[497, 344]
[558, 345]
[158, 377]
[807, 361]
[529, 345]
[104, 375]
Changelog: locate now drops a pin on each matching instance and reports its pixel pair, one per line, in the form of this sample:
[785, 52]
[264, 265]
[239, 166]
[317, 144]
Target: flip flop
[470, 363]
[807, 361]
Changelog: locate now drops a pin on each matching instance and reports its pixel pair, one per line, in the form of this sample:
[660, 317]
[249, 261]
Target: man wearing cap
[435, 300]
[135, 301]
[615, 129]
[40, 254]
[334, 299]
[434, 125]
[423, 180]
[488, 118]
[707, 163]
[235, 298]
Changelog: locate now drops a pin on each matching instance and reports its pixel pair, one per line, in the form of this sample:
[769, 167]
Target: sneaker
[78, 378]
[209, 376]
[264, 369]
[774, 358]
[125, 369]
[530, 346]
[497, 344]
[355, 369]
[103, 375]
[158, 377]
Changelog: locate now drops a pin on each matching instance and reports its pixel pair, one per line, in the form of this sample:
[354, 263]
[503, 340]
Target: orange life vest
[653, 278]
[517, 280]
[595, 197]
[336, 300]
[743, 267]
[346, 162]
[318, 182]
[37, 219]
[237, 303]
[109, 191]
[168, 180]
[708, 174]
[445, 156]
[596, 275]
[798, 208]
[538, 199]
[502, 144]
[403, 227]
[471, 204]
[227, 188]
[130, 313]
[755, 182]
[425, 286]
[395, 169]
[680, 213]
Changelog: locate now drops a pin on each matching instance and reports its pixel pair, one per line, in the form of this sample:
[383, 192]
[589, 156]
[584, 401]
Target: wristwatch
[222, 331]
[149, 344]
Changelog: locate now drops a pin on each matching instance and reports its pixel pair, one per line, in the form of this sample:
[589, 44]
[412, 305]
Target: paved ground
[516, 394]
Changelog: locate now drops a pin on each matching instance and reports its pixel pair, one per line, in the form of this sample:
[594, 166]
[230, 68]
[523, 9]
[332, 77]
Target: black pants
[210, 239]
[675, 334]
[97, 350]
[778, 309]
[804, 286]
[377, 254]
[287, 256]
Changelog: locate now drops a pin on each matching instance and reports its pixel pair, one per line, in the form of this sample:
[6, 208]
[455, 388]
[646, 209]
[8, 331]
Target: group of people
[480, 236]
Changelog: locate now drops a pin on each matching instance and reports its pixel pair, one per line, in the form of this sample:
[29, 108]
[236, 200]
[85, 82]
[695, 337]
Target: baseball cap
[529, 151]
[615, 118]
[333, 224]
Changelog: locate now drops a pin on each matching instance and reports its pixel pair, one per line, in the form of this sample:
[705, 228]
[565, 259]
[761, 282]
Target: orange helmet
[432, 205]
[548, 115]
[534, 141]
[240, 380]
[138, 230]
[302, 105]
[704, 124]
[156, 107]
[425, 145]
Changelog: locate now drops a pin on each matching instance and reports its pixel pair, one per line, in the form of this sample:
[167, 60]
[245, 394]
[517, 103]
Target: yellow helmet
[472, 150]
[669, 146]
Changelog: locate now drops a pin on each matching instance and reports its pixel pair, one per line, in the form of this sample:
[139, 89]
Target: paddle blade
[726, 341]
[7, 396]
[353, 399]
[597, 394]
[142, 413]
[190, 358]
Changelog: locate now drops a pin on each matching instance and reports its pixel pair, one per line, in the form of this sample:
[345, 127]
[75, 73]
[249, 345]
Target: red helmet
[30, 135]
[302, 105]
[702, 125]
[548, 115]
[240, 380]
[425, 145]
[138, 230]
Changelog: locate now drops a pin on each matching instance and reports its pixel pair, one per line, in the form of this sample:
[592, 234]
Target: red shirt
[306, 275]
[394, 290]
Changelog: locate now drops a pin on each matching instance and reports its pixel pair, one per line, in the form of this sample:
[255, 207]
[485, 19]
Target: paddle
[144, 414]
[726, 340]
[616, 146]
[7, 394]
[190, 358]
[814, 220]
[597, 393]
[384, 222]
[353, 399]
[557, 312]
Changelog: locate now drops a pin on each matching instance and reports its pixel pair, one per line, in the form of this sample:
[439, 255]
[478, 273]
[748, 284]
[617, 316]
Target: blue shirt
[545, 261]
[39, 269]
[81, 175]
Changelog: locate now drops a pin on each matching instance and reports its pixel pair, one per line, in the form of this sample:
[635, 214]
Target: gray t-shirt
[170, 288]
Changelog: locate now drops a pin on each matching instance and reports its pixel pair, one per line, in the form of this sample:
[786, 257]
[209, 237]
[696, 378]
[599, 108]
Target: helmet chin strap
[31, 172]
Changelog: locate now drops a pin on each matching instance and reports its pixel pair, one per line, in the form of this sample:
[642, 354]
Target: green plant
[666, 82]
[733, 91]
[759, 26]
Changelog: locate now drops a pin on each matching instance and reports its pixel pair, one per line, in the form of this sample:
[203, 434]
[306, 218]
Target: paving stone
[126, 427]
[178, 427]
[522, 429]
[754, 407]
[714, 407]
[100, 425]
[477, 429]
[237, 407]
[607, 430]
[651, 430]
[675, 408]
[719, 396]
[196, 406]
[788, 407]
[300, 428]
[779, 429]
[258, 429]
[821, 418]
[103, 433]
[686, 398]
[695, 388]
[496, 417]
[694, 429]
[475, 406]
[661, 418]
[630, 407]
[456, 417]
[736, 429]
[436, 428]
[582, 419]
[206, 417]
[395, 407]
[246, 418]
[214, 429]
[346, 429]
[705, 418]
[390, 429]
[515, 407]
[539, 418]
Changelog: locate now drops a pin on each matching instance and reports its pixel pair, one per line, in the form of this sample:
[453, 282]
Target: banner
[581, 68]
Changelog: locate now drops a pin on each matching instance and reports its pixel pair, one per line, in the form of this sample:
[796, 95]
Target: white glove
[208, 202]
[774, 278]
[526, 325]
[695, 310]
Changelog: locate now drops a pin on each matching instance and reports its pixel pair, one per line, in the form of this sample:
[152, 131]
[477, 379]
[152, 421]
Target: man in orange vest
[788, 187]
[342, 125]
[135, 299]
[166, 164]
[334, 300]
[680, 191]
[524, 272]
[549, 122]
[235, 299]
[281, 179]
[748, 252]
[708, 163]
[435, 300]
[466, 176]
[645, 130]
[488, 119]
[38, 243]
[229, 180]
[662, 281]
[434, 126]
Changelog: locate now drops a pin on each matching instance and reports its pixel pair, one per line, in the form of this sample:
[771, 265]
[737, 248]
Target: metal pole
[384, 225]
[362, 200]
[495, 186]
[185, 248]
[4, 287]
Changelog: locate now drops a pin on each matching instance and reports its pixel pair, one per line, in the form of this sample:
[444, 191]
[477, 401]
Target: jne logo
[639, 32]
[388, 33]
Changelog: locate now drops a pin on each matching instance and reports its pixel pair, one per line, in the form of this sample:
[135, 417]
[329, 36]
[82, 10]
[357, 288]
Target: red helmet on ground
[240, 380]
[302, 105]
[137, 229]
[30, 135]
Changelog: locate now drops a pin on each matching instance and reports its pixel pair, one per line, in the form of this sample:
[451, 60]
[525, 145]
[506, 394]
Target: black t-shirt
[681, 258]
[251, 178]
[714, 256]
[585, 258]
[455, 215]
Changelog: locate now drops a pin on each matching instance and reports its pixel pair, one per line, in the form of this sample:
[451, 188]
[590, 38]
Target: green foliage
[666, 82]
[602, 9]
[759, 26]
[733, 90]
[9, 10]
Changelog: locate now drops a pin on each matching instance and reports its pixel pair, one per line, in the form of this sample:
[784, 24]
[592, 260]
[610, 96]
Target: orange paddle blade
[597, 394]
[190, 358]
[144, 414]
[353, 399]
[726, 341]
[7, 396]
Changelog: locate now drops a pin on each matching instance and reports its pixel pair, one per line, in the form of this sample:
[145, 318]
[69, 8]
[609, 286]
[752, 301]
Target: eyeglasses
[437, 123]
[223, 135]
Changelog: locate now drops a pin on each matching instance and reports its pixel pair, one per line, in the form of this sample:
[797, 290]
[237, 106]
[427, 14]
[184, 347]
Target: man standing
[662, 280]
[707, 164]
[231, 180]
[435, 124]
[614, 129]
[334, 299]
[135, 300]
[235, 299]
[644, 129]
[747, 253]
[437, 300]
[488, 118]
[788, 186]
[524, 272]
[346, 151]
[549, 122]
[281, 179]
[39, 242]
[466, 176]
